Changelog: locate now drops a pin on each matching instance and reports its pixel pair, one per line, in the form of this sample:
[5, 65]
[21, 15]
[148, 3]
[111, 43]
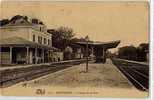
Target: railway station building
[25, 41]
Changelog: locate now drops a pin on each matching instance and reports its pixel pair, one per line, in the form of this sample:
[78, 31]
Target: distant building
[57, 56]
[73, 51]
[25, 41]
[77, 51]
[68, 51]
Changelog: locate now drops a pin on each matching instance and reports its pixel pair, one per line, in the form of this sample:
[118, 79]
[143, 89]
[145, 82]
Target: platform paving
[19, 66]
[104, 80]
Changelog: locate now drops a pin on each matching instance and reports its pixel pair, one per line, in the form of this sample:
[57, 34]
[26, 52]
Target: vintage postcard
[80, 48]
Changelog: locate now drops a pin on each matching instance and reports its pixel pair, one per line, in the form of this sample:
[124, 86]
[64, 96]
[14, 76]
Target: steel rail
[134, 76]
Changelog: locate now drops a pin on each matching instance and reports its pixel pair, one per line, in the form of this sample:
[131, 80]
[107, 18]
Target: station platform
[19, 66]
[101, 80]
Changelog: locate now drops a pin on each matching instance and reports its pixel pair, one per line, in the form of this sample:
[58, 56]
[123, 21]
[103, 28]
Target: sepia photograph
[75, 48]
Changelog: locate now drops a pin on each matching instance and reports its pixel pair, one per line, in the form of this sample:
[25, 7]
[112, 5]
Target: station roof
[110, 44]
[20, 42]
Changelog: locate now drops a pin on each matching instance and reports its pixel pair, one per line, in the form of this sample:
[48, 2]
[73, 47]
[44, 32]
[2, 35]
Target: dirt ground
[98, 75]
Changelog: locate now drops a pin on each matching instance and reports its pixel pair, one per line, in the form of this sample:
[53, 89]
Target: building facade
[25, 41]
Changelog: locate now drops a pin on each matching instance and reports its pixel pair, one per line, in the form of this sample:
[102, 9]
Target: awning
[107, 45]
[20, 42]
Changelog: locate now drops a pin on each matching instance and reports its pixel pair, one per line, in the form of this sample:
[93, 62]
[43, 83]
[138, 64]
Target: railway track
[13, 76]
[136, 73]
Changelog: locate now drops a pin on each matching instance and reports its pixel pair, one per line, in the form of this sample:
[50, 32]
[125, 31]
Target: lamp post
[87, 53]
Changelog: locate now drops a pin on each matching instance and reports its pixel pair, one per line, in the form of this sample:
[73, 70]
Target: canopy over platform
[107, 45]
[20, 42]
[99, 48]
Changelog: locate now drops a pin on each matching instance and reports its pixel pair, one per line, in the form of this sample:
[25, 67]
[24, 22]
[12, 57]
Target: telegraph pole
[87, 53]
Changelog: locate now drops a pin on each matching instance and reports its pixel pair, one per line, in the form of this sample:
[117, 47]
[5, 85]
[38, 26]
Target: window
[40, 29]
[33, 38]
[48, 42]
[35, 21]
[45, 41]
[40, 39]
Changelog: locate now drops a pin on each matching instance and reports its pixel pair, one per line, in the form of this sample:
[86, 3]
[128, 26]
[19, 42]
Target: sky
[101, 21]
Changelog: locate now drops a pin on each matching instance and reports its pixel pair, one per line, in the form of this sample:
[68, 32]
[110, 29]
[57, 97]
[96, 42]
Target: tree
[66, 33]
[128, 52]
[61, 37]
[142, 50]
[133, 53]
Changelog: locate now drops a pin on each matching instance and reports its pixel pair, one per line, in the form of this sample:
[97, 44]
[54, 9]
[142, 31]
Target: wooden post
[27, 55]
[48, 55]
[35, 55]
[43, 55]
[10, 55]
[92, 52]
[104, 57]
[87, 57]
